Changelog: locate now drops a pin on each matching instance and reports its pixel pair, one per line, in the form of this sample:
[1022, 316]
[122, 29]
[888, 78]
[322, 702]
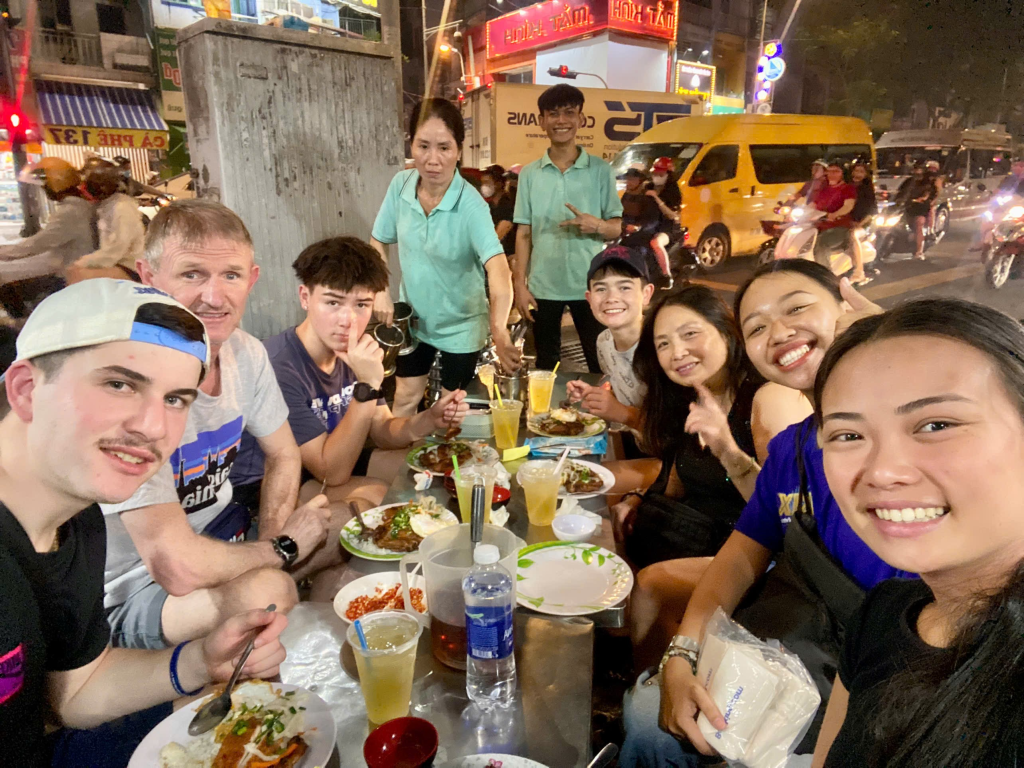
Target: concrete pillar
[298, 133]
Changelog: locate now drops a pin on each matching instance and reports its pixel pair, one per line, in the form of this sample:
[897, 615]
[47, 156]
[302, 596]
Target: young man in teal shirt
[566, 208]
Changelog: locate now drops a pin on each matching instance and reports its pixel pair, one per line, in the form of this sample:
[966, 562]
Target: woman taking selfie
[922, 414]
[789, 313]
[446, 242]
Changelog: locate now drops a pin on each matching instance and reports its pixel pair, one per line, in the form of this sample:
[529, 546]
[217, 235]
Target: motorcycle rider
[837, 200]
[917, 193]
[68, 234]
[119, 226]
[863, 210]
[808, 193]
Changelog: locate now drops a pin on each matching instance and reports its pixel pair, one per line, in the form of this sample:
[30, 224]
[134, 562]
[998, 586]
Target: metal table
[549, 722]
[403, 489]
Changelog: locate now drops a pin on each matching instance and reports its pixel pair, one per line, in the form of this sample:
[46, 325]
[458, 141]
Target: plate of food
[582, 479]
[565, 578]
[493, 761]
[437, 458]
[270, 724]
[378, 592]
[567, 422]
[396, 529]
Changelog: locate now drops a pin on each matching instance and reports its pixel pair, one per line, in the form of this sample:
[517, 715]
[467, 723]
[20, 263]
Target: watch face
[363, 392]
[288, 546]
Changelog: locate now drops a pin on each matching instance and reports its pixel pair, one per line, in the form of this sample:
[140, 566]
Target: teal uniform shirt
[561, 256]
[442, 256]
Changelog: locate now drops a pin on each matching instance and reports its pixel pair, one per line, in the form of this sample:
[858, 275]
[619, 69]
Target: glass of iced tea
[505, 416]
[386, 666]
[541, 385]
[464, 489]
[540, 483]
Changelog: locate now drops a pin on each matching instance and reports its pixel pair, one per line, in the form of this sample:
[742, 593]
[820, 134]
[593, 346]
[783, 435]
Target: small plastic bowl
[405, 742]
[573, 527]
[501, 494]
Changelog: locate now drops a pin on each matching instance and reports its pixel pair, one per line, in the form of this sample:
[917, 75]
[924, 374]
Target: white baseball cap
[99, 311]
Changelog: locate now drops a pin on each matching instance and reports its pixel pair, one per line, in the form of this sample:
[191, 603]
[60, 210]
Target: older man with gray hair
[176, 562]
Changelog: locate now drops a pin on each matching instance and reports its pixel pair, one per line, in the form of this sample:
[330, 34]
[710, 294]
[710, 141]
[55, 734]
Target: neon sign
[558, 20]
[693, 79]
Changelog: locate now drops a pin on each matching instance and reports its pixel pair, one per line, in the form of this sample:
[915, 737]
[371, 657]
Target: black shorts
[457, 368]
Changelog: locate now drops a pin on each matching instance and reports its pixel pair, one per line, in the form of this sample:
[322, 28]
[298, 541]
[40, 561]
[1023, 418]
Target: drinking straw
[497, 393]
[555, 370]
[561, 461]
[455, 471]
[362, 637]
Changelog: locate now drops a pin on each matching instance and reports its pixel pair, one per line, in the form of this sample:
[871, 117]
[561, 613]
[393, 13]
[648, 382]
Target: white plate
[492, 761]
[598, 469]
[482, 454]
[593, 425]
[367, 587]
[564, 578]
[320, 733]
[367, 549]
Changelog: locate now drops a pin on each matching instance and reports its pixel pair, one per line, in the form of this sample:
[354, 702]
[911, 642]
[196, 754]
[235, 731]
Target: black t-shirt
[52, 620]
[881, 641]
[866, 204]
[503, 211]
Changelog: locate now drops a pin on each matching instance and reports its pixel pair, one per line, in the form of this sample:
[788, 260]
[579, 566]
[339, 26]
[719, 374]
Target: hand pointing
[588, 224]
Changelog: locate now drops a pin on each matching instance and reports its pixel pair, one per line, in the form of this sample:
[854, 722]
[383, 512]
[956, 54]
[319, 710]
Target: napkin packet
[763, 691]
[570, 506]
[578, 446]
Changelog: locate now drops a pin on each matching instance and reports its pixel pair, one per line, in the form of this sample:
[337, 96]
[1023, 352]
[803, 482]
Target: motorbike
[800, 241]
[1003, 258]
[677, 261]
[894, 232]
[774, 229]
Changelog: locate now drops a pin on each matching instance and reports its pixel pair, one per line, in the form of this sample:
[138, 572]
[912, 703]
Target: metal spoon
[213, 712]
[604, 757]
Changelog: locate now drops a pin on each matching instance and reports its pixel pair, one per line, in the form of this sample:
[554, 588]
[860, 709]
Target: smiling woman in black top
[922, 414]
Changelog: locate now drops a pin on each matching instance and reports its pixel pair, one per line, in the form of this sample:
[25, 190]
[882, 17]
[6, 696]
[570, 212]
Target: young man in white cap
[175, 564]
[97, 399]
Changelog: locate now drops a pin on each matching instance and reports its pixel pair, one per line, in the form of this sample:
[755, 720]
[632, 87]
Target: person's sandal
[862, 280]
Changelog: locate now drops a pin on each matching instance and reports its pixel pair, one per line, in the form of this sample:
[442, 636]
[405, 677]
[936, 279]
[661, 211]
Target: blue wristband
[175, 682]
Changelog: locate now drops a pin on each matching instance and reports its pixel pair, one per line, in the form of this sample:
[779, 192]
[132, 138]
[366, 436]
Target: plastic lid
[486, 554]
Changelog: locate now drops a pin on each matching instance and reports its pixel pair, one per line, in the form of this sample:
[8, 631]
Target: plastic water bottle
[490, 663]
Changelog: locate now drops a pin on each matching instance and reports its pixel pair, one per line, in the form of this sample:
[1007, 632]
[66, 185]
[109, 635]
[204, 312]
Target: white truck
[501, 121]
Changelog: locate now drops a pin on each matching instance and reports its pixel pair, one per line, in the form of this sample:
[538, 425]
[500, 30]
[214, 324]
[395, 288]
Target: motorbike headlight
[1003, 199]
[987, 215]
[1014, 213]
[879, 221]
[797, 213]
[892, 221]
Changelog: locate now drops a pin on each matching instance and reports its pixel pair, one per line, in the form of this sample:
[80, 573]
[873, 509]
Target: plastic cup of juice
[541, 385]
[386, 666]
[541, 484]
[505, 416]
[464, 489]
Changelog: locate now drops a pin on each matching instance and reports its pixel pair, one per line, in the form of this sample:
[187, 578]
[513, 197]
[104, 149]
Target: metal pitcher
[404, 320]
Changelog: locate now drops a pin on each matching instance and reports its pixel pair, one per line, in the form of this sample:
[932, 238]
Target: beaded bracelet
[175, 682]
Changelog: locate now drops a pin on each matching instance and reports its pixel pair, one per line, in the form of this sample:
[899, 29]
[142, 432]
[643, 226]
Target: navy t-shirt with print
[51, 619]
[776, 497]
[317, 401]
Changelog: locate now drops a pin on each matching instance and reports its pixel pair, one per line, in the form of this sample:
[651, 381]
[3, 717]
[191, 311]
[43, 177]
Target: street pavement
[951, 269]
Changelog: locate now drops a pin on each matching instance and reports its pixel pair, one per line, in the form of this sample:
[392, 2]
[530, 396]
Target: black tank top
[706, 486]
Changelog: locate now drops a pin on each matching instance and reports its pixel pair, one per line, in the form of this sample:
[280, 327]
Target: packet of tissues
[763, 691]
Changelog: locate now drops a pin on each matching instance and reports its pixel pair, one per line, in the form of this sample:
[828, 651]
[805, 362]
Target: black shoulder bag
[668, 529]
[805, 601]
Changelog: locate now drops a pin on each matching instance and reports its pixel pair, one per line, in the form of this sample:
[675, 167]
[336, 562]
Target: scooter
[774, 229]
[1003, 260]
[800, 241]
[894, 232]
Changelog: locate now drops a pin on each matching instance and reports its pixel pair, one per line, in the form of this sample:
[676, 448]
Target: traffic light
[18, 126]
[562, 71]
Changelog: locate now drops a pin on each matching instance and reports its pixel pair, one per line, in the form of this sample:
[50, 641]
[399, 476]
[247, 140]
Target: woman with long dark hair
[446, 244]
[922, 414]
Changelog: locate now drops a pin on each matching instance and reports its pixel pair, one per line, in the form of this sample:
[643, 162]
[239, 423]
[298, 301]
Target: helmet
[662, 165]
[820, 161]
[54, 173]
[932, 165]
[101, 177]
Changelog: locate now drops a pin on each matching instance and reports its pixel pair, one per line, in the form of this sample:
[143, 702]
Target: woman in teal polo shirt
[446, 243]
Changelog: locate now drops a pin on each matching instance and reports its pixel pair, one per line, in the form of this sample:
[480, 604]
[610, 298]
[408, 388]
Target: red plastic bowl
[405, 742]
[501, 495]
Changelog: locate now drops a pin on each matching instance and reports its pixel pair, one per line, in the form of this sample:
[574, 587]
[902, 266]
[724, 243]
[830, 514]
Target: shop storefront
[77, 119]
[626, 44]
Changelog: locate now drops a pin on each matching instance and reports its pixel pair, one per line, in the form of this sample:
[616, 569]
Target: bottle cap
[486, 554]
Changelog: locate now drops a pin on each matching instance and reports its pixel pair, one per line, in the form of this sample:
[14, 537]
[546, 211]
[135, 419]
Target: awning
[363, 6]
[99, 116]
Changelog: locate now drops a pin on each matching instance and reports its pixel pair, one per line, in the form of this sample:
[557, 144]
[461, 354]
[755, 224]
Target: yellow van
[733, 169]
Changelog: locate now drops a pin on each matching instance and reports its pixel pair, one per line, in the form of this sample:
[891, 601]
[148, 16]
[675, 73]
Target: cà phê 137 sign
[555, 21]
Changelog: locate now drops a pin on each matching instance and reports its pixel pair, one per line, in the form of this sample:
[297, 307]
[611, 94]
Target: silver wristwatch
[684, 646]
